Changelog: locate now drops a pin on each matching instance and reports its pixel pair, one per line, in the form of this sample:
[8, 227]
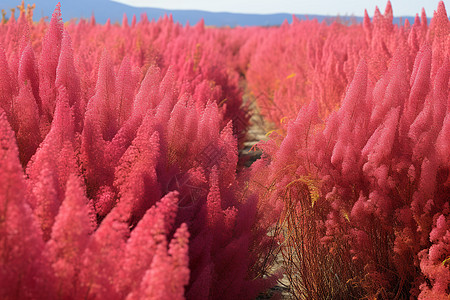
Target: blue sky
[322, 7]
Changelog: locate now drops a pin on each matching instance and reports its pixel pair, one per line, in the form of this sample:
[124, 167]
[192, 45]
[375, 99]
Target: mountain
[104, 9]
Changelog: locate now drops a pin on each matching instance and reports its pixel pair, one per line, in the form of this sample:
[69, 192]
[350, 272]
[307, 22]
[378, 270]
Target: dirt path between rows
[257, 132]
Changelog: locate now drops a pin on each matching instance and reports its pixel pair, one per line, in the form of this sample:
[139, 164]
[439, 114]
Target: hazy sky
[323, 7]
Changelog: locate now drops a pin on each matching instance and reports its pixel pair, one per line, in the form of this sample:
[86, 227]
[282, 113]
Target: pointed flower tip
[173, 194]
[362, 66]
[7, 137]
[388, 5]
[3, 127]
[56, 16]
[57, 11]
[182, 234]
[377, 11]
[441, 8]
[388, 10]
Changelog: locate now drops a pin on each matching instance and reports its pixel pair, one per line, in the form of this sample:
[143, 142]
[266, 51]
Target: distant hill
[104, 9]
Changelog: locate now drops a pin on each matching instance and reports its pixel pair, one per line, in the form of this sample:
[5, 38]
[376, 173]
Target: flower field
[121, 178]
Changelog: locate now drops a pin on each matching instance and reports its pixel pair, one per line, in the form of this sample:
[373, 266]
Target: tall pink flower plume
[169, 272]
[6, 84]
[67, 77]
[48, 63]
[144, 239]
[24, 271]
[69, 238]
